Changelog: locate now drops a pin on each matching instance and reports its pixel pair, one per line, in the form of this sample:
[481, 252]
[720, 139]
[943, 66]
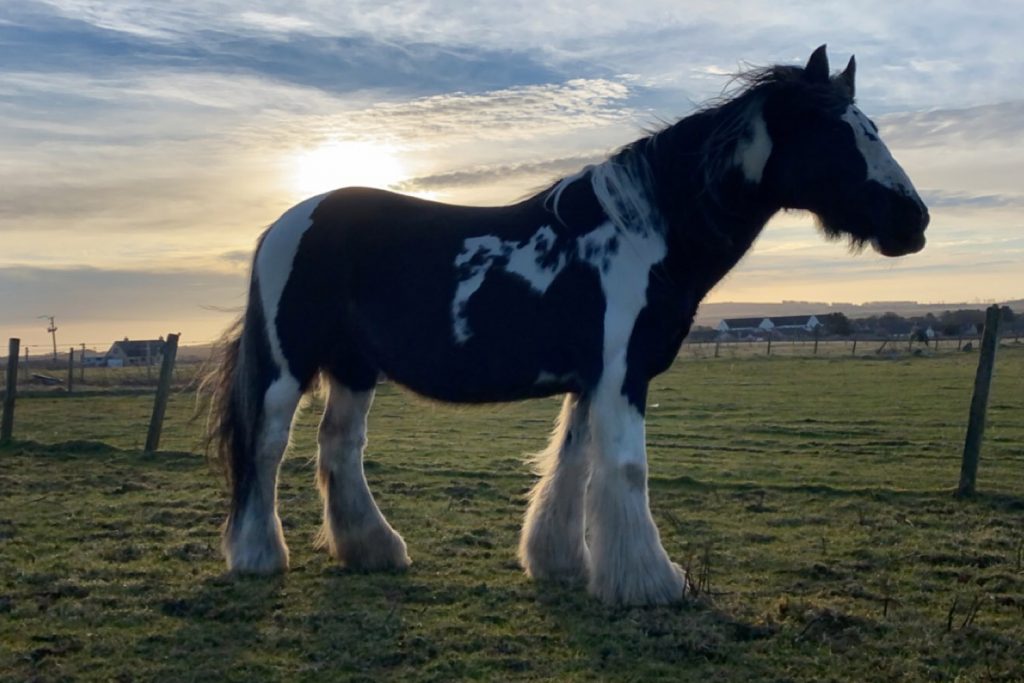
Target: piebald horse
[586, 289]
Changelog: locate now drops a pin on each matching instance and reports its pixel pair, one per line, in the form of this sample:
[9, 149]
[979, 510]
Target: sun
[345, 163]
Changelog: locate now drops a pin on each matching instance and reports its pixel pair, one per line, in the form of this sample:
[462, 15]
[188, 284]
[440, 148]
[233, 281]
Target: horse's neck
[712, 215]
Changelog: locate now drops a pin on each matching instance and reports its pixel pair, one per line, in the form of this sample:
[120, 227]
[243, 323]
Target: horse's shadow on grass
[615, 638]
[307, 622]
[219, 624]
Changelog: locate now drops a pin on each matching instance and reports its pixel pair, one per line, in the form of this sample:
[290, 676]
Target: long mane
[693, 155]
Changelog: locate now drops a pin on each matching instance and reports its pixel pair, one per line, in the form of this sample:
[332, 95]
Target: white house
[803, 323]
[739, 326]
[778, 324]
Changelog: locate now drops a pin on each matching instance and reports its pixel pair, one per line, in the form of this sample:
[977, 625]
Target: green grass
[812, 494]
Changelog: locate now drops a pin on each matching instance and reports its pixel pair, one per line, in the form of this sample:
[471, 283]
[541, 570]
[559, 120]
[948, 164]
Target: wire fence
[39, 371]
[46, 374]
[831, 346]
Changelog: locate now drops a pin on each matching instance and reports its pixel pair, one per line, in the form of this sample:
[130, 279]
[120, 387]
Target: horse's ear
[847, 77]
[817, 66]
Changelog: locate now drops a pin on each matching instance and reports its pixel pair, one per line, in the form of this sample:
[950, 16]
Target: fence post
[815, 340]
[163, 392]
[979, 403]
[718, 343]
[854, 352]
[769, 352]
[13, 353]
[71, 369]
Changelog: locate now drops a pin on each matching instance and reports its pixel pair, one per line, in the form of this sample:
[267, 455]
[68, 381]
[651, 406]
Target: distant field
[810, 495]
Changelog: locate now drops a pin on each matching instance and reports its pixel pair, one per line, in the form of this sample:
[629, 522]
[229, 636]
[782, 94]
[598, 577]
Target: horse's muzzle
[912, 217]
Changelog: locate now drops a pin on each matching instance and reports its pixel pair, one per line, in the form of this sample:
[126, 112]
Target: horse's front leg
[629, 566]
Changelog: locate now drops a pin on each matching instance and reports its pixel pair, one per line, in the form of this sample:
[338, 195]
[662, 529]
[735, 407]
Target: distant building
[139, 352]
[743, 326]
[782, 324]
[804, 323]
[91, 359]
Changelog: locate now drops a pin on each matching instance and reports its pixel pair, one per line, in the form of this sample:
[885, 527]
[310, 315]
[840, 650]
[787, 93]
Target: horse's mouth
[899, 246]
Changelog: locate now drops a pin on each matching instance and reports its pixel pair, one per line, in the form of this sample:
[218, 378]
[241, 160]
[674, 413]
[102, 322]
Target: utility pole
[52, 329]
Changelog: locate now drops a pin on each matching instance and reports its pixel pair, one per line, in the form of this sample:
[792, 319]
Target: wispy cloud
[940, 199]
[480, 175]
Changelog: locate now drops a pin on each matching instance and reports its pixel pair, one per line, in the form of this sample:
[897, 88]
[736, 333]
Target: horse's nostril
[925, 219]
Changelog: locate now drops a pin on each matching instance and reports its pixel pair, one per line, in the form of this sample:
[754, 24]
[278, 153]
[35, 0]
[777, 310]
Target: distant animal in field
[585, 289]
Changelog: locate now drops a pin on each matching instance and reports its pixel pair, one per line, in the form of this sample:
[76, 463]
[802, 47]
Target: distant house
[802, 323]
[139, 352]
[779, 324]
[743, 326]
[91, 359]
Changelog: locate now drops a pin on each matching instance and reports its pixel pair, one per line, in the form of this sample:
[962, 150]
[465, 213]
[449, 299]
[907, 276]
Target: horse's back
[371, 285]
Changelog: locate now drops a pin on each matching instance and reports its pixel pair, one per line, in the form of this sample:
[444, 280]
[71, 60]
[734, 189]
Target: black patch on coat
[372, 286]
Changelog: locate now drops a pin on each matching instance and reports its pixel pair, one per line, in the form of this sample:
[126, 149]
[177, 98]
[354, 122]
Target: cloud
[508, 113]
[1000, 124]
[936, 199]
[101, 39]
[481, 175]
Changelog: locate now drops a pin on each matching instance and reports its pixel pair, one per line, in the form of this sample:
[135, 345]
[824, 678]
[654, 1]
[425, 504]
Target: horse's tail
[242, 370]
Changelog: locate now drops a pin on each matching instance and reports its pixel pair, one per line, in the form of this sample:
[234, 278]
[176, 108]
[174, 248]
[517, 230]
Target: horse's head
[827, 158]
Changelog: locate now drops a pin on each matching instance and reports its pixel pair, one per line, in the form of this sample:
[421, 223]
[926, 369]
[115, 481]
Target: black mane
[693, 161]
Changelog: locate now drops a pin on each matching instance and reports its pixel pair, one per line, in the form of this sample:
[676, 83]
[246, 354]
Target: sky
[146, 145]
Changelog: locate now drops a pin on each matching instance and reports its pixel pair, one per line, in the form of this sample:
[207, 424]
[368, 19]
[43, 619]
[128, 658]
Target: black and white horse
[586, 289]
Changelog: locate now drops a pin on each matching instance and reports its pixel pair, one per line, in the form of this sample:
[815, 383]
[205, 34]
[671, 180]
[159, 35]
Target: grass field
[810, 496]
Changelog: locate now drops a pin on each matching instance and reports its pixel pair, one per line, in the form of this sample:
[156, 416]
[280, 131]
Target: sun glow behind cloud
[344, 163]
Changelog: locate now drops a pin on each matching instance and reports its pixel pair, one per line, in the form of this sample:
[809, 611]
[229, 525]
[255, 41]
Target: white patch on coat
[273, 264]
[533, 261]
[624, 198]
[753, 150]
[882, 167]
[622, 250]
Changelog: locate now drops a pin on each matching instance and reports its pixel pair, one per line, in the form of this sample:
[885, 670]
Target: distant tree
[1007, 315]
[892, 323]
[837, 324]
[963, 317]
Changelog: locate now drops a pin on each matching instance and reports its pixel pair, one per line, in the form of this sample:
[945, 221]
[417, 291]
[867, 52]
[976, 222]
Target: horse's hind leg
[253, 539]
[354, 531]
[553, 544]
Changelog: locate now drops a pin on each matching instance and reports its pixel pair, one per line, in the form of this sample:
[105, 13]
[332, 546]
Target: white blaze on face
[882, 168]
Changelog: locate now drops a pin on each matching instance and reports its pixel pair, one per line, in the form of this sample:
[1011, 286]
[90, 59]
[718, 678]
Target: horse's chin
[899, 246]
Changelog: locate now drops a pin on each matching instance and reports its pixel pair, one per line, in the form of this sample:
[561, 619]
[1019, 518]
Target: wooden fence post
[718, 343]
[769, 352]
[979, 403]
[854, 352]
[163, 392]
[71, 369]
[815, 340]
[13, 353]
